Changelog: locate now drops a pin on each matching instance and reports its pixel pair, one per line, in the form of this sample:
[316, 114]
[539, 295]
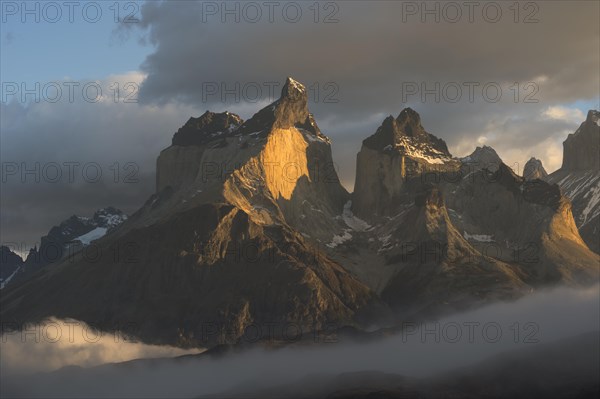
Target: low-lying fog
[420, 351]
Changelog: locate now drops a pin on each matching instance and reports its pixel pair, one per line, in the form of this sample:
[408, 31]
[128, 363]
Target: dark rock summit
[398, 150]
[534, 170]
[483, 158]
[207, 127]
[393, 134]
[582, 148]
[290, 110]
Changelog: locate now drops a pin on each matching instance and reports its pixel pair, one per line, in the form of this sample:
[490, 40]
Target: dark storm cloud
[373, 52]
[370, 51]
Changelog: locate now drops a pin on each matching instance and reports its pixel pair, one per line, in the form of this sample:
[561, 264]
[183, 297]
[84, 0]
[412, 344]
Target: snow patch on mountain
[340, 239]
[352, 221]
[422, 151]
[296, 85]
[95, 234]
[3, 283]
[593, 198]
[478, 237]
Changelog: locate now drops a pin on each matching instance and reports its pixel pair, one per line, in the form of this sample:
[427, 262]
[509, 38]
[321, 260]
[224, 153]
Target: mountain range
[70, 236]
[249, 226]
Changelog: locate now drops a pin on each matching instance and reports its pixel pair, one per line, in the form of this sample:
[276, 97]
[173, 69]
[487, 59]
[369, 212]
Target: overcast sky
[360, 60]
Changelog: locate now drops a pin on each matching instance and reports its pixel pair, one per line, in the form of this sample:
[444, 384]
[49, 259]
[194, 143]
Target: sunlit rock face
[275, 164]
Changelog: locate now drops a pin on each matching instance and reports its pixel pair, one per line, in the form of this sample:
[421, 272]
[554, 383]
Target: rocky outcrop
[581, 150]
[534, 170]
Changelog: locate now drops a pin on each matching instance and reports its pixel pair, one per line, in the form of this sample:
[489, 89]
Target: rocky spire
[292, 107]
[581, 150]
[534, 170]
[290, 110]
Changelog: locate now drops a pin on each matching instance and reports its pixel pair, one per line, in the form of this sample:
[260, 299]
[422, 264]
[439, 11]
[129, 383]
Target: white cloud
[54, 344]
[566, 114]
[432, 347]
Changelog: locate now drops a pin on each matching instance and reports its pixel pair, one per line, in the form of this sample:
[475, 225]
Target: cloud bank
[422, 350]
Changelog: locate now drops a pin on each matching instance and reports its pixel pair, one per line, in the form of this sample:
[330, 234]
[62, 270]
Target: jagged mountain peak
[277, 160]
[109, 217]
[206, 127]
[293, 89]
[399, 149]
[289, 111]
[593, 116]
[581, 149]
[409, 122]
[534, 170]
[68, 237]
[485, 149]
[483, 157]
[406, 135]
